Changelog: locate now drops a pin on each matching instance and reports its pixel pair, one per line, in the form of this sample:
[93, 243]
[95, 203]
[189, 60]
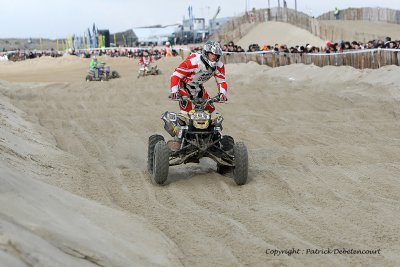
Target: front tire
[160, 163]
[153, 140]
[89, 78]
[240, 172]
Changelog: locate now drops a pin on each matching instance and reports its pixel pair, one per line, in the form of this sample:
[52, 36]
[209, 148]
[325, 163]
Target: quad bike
[104, 74]
[152, 71]
[197, 134]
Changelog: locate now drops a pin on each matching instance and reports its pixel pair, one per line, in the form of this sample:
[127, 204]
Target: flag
[95, 36]
[84, 40]
[90, 41]
[71, 43]
[190, 10]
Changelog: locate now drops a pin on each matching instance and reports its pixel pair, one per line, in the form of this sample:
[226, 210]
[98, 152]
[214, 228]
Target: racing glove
[174, 92]
[222, 97]
[174, 96]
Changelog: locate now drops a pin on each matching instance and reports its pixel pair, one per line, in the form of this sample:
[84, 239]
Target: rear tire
[240, 172]
[89, 78]
[227, 143]
[153, 140]
[160, 163]
[115, 74]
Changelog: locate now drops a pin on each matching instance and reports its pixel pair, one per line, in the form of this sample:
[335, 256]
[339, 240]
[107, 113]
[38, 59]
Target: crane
[212, 27]
[216, 13]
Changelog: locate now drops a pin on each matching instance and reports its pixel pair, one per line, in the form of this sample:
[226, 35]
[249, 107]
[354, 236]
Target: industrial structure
[192, 30]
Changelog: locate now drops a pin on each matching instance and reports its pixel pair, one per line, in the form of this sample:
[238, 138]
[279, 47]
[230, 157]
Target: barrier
[235, 29]
[360, 59]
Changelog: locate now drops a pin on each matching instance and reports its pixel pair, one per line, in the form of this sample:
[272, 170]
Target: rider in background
[168, 49]
[189, 77]
[145, 61]
[95, 65]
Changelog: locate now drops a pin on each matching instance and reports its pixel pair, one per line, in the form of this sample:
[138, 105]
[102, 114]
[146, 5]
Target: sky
[61, 18]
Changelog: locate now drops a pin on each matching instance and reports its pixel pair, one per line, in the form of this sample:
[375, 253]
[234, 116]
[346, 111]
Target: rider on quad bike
[99, 72]
[188, 78]
[145, 62]
[196, 130]
[95, 65]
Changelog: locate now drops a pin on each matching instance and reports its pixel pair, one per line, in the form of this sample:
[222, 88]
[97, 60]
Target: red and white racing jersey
[194, 73]
[146, 61]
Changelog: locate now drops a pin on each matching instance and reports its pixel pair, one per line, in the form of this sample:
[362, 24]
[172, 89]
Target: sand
[273, 32]
[324, 155]
[324, 165]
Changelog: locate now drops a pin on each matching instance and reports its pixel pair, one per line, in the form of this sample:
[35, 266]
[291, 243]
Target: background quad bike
[113, 75]
[152, 71]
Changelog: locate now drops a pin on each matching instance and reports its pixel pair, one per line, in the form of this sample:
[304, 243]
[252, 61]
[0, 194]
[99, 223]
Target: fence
[367, 13]
[238, 27]
[372, 59]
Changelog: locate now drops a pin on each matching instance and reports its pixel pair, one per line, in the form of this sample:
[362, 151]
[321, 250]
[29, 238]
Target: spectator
[336, 13]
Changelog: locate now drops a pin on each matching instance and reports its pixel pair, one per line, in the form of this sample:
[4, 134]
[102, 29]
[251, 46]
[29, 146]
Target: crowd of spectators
[330, 47]
[124, 52]
[230, 47]
[19, 55]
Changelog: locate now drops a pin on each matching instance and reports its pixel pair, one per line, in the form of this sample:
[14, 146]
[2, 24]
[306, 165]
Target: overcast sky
[61, 18]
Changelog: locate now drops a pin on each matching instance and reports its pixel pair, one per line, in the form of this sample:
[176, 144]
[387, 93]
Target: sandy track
[323, 149]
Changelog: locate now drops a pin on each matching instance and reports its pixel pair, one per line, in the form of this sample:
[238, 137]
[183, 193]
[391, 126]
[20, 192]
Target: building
[157, 35]
[193, 31]
[215, 24]
[126, 38]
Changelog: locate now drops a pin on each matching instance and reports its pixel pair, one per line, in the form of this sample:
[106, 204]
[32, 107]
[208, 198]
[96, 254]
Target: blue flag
[190, 9]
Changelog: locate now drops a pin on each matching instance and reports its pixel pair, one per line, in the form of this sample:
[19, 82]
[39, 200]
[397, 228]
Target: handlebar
[199, 101]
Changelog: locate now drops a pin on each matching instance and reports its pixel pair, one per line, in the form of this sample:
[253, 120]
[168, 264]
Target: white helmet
[211, 47]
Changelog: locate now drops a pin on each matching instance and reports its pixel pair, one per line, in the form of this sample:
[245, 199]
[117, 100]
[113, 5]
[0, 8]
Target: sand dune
[273, 32]
[324, 165]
